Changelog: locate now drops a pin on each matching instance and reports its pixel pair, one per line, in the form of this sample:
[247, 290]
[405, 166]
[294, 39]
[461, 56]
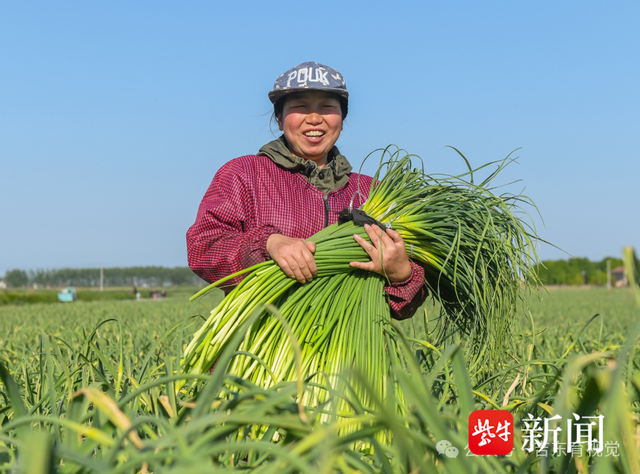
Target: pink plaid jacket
[250, 198]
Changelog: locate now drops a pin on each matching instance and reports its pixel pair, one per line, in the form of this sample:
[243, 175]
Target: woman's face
[311, 122]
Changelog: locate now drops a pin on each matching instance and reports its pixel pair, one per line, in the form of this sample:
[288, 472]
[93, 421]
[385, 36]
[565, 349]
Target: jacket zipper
[326, 210]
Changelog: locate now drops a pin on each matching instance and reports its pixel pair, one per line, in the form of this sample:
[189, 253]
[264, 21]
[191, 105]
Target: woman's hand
[294, 256]
[394, 255]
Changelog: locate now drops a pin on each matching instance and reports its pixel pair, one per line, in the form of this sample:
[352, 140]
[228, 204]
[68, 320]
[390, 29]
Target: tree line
[116, 276]
[576, 271]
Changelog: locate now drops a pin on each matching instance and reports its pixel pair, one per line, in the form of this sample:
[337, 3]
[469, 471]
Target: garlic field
[91, 387]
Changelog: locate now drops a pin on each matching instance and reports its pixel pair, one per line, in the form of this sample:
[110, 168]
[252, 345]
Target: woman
[264, 206]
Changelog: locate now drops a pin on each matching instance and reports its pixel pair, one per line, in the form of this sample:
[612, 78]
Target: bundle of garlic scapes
[476, 253]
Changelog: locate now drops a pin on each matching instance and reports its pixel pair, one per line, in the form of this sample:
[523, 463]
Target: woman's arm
[217, 244]
[407, 296]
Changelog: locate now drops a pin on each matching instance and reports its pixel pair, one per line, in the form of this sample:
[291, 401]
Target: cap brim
[276, 95]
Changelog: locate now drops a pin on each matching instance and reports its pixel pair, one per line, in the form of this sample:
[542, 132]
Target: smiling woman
[264, 207]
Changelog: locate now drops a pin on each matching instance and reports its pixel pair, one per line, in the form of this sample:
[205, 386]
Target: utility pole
[609, 274]
[101, 277]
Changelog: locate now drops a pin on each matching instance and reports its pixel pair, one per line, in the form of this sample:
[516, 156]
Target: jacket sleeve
[405, 297]
[224, 240]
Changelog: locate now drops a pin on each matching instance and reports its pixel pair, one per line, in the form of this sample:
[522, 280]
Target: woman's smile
[314, 136]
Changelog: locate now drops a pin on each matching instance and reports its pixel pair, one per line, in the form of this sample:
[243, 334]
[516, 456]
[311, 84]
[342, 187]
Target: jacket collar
[332, 177]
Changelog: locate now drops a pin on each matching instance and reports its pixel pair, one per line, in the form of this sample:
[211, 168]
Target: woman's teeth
[313, 134]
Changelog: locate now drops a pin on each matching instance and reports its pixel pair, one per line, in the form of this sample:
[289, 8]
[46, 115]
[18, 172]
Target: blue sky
[115, 116]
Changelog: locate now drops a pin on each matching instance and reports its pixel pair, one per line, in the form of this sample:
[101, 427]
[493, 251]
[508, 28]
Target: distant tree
[569, 272]
[576, 279]
[140, 276]
[16, 278]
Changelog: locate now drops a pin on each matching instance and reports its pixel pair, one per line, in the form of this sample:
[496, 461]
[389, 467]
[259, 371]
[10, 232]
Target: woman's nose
[314, 118]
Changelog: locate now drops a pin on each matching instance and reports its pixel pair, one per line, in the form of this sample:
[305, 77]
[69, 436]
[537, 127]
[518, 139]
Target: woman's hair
[279, 106]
